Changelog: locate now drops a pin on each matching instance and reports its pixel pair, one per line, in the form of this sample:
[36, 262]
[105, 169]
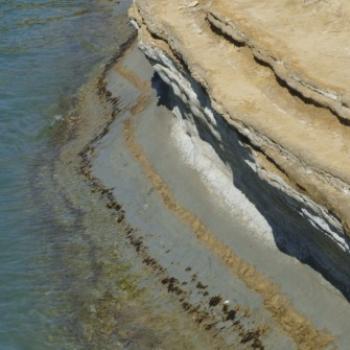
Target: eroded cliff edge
[265, 123]
[262, 117]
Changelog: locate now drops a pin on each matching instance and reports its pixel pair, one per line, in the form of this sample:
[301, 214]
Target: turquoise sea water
[47, 49]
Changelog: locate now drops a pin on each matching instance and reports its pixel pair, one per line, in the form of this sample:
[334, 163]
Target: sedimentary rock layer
[304, 42]
[306, 142]
[274, 112]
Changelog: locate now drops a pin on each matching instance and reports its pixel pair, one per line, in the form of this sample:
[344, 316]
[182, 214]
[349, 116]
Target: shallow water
[47, 51]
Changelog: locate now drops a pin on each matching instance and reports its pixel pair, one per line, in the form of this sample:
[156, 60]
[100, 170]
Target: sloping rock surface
[307, 141]
[275, 73]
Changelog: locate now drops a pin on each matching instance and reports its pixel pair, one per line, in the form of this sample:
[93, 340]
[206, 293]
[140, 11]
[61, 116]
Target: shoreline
[109, 153]
[151, 310]
[203, 295]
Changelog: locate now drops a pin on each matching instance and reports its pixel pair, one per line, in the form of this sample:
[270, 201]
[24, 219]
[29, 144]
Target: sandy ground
[139, 162]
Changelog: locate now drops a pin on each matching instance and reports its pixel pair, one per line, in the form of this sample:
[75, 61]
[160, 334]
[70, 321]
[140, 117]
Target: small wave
[29, 22]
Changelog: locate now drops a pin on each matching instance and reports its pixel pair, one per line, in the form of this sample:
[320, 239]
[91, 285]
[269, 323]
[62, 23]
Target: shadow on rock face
[293, 234]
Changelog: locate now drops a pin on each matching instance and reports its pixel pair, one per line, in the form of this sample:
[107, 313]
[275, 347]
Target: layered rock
[260, 92]
[304, 42]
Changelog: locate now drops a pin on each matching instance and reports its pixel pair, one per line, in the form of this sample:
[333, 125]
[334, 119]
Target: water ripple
[47, 49]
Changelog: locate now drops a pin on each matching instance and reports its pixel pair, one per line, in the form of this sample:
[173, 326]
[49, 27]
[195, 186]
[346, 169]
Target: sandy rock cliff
[260, 91]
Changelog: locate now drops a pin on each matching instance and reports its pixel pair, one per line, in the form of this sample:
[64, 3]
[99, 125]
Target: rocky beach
[246, 250]
[204, 174]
